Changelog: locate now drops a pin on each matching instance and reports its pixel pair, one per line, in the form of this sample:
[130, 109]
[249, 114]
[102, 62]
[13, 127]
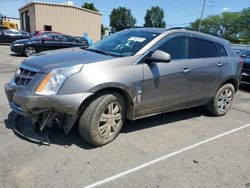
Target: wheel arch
[117, 88]
[233, 81]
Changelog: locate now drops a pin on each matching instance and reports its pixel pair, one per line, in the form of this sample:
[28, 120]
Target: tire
[102, 120]
[29, 51]
[222, 101]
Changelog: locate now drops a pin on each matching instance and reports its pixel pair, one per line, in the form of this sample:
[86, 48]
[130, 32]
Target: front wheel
[102, 120]
[222, 101]
[29, 51]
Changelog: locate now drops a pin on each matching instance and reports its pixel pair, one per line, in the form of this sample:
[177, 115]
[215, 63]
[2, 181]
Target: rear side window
[176, 47]
[221, 50]
[199, 48]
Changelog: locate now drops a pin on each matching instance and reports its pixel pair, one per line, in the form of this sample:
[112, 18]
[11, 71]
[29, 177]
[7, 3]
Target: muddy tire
[102, 120]
[222, 101]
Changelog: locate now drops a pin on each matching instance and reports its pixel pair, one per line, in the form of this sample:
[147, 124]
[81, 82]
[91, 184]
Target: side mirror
[159, 56]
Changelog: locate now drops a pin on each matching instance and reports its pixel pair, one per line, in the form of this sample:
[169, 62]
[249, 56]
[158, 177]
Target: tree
[89, 6]
[121, 18]
[155, 17]
[102, 29]
[233, 26]
[244, 25]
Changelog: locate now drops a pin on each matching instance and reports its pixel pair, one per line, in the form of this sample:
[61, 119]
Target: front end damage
[44, 112]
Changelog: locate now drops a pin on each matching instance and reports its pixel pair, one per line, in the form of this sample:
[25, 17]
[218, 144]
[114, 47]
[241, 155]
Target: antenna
[202, 11]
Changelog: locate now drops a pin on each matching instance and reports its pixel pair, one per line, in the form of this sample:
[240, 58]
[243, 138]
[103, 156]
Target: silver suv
[131, 74]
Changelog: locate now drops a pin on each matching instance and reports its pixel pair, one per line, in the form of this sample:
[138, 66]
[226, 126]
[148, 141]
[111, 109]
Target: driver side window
[176, 47]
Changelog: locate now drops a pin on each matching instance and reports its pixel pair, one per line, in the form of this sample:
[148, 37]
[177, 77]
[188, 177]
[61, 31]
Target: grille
[24, 76]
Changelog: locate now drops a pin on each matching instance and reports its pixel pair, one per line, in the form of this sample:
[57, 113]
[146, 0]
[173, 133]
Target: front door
[166, 86]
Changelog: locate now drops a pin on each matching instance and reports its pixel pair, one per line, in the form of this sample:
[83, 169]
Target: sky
[177, 12]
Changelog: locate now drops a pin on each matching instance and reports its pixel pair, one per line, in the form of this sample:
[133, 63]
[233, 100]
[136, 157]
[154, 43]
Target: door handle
[186, 70]
[220, 64]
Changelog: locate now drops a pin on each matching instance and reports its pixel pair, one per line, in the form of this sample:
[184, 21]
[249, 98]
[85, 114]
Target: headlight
[53, 81]
[18, 44]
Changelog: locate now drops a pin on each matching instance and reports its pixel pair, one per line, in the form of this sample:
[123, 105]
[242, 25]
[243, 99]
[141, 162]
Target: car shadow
[165, 118]
[58, 137]
[16, 55]
[5, 44]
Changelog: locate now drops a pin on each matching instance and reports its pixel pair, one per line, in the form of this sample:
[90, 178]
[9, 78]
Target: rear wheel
[222, 101]
[102, 120]
[29, 51]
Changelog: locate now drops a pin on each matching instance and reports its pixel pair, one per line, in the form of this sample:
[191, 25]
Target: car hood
[46, 61]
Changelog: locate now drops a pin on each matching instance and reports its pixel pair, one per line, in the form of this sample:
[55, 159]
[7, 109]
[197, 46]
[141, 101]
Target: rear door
[67, 41]
[205, 68]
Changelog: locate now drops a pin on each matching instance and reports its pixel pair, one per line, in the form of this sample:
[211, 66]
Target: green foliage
[102, 29]
[245, 25]
[155, 17]
[89, 6]
[121, 18]
[233, 26]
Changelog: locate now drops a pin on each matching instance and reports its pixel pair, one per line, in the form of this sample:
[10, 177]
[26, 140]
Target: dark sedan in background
[245, 55]
[45, 42]
[245, 71]
[10, 35]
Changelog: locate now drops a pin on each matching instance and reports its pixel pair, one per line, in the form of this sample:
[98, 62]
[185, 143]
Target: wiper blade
[99, 51]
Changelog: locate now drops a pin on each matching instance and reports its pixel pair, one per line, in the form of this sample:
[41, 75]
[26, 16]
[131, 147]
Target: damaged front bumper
[28, 104]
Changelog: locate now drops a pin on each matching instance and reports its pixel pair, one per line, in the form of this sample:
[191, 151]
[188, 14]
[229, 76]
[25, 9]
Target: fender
[129, 93]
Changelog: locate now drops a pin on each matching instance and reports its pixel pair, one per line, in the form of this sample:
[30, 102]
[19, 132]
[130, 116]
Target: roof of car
[188, 30]
[150, 29]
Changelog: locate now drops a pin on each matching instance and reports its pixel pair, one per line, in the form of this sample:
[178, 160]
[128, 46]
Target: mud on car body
[131, 74]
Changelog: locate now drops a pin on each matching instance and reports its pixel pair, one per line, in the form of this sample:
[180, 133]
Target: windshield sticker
[137, 39]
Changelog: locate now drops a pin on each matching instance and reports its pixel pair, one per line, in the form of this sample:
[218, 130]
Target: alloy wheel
[110, 120]
[225, 100]
[29, 51]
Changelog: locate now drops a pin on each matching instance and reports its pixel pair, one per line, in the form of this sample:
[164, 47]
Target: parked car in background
[131, 74]
[245, 55]
[45, 42]
[245, 74]
[11, 35]
[40, 32]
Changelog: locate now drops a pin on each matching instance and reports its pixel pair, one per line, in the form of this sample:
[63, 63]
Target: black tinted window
[176, 47]
[53, 38]
[65, 39]
[221, 50]
[199, 48]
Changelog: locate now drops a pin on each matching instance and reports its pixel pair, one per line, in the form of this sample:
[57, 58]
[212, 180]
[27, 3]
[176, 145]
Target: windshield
[124, 43]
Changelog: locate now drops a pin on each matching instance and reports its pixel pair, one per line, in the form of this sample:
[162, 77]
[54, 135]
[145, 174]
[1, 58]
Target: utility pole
[202, 11]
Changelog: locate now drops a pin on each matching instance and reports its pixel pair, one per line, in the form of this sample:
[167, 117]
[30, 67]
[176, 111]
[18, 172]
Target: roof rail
[190, 29]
